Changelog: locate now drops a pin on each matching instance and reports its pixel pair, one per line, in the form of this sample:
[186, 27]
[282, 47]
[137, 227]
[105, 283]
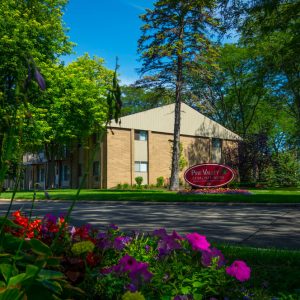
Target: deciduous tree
[32, 35]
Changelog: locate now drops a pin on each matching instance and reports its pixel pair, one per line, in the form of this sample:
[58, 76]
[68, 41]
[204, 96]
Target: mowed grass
[258, 196]
[274, 272]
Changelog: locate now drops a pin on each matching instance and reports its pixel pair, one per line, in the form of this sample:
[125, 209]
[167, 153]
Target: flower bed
[206, 191]
[47, 257]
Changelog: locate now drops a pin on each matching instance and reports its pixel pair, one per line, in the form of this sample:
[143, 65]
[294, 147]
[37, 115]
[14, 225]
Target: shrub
[284, 171]
[160, 181]
[139, 180]
[119, 186]
[125, 186]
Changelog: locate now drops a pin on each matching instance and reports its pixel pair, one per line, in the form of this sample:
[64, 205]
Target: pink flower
[239, 270]
[197, 241]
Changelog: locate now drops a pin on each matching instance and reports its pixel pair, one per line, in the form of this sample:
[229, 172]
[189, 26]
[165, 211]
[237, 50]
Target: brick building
[139, 146]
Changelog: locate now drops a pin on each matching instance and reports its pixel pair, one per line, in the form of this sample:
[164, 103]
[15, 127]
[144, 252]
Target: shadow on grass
[164, 196]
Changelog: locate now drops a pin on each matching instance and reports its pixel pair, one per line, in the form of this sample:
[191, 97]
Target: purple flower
[147, 248]
[113, 227]
[121, 241]
[176, 236]
[166, 245]
[107, 270]
[131, 287]
[140, 270]
[104, 241]
[51, 218]
[162, 233]
[127, 263]
[136, 270]
[73, 231]
[208, 255]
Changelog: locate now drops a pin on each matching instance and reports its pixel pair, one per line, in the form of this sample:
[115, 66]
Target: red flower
[92, 259]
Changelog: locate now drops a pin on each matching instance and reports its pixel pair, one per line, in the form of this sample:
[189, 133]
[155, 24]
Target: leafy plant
[125, 186]
[160, 181]
[139, 181]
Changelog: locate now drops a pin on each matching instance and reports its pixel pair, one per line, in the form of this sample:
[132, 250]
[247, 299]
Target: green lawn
[258, 196]
[274, 272]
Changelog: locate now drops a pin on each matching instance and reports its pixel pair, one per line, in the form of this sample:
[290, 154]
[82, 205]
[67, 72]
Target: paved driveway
[271, 226]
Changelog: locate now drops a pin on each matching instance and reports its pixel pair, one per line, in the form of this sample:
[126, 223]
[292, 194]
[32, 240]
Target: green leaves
[40, 248]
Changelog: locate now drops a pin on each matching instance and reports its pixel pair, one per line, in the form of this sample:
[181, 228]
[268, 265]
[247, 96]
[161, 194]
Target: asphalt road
[262, 226]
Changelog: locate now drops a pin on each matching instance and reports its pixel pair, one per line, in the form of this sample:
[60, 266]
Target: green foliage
[109, 287]
[126, 186]
[272, 29]
[136, 99]
[82, 247]
[32, 36]
[160, 181]
[139, 180]
[284, 171]
[32, 273]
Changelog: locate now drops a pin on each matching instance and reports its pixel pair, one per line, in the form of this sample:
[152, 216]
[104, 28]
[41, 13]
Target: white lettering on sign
[205, 172]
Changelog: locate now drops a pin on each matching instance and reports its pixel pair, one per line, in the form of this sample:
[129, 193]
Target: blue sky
[107, 29]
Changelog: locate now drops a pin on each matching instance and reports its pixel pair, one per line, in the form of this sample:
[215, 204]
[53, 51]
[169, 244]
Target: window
[96, 168]
[66, 173]
[140, 135]
[216, 151]
[216, 143]
[40, 174]
[66, 151]
[141, 166]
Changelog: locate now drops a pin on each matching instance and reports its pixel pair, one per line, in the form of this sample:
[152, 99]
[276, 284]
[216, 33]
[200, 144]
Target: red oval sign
[208, 175]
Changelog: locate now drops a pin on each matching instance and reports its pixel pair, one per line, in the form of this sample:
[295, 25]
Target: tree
[75, 106]
[272, 29]
[239, 95]
[137, 99]
[32, 36]
[174, 40]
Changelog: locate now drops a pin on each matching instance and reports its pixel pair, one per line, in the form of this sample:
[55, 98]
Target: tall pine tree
[176, 38]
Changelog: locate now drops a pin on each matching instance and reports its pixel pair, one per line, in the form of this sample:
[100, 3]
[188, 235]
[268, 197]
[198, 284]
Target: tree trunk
[50, 155]
[174, 183]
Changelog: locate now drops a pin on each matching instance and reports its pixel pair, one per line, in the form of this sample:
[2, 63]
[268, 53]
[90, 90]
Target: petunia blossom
[121, 241]
[239, 270]
[210, 254]
[197, 241]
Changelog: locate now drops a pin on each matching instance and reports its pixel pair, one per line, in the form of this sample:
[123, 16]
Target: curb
[137, 202]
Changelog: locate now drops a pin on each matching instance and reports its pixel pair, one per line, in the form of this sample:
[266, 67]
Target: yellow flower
[133, 296]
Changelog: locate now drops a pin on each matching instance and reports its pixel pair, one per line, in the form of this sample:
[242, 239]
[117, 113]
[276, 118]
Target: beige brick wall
[196, 150]
[119, 160]
[159, 155]
[120, 157]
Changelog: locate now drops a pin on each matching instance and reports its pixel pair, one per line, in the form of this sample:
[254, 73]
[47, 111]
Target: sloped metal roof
[161, 119]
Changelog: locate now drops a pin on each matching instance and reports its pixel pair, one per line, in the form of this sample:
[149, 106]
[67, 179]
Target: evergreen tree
[176, 38]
